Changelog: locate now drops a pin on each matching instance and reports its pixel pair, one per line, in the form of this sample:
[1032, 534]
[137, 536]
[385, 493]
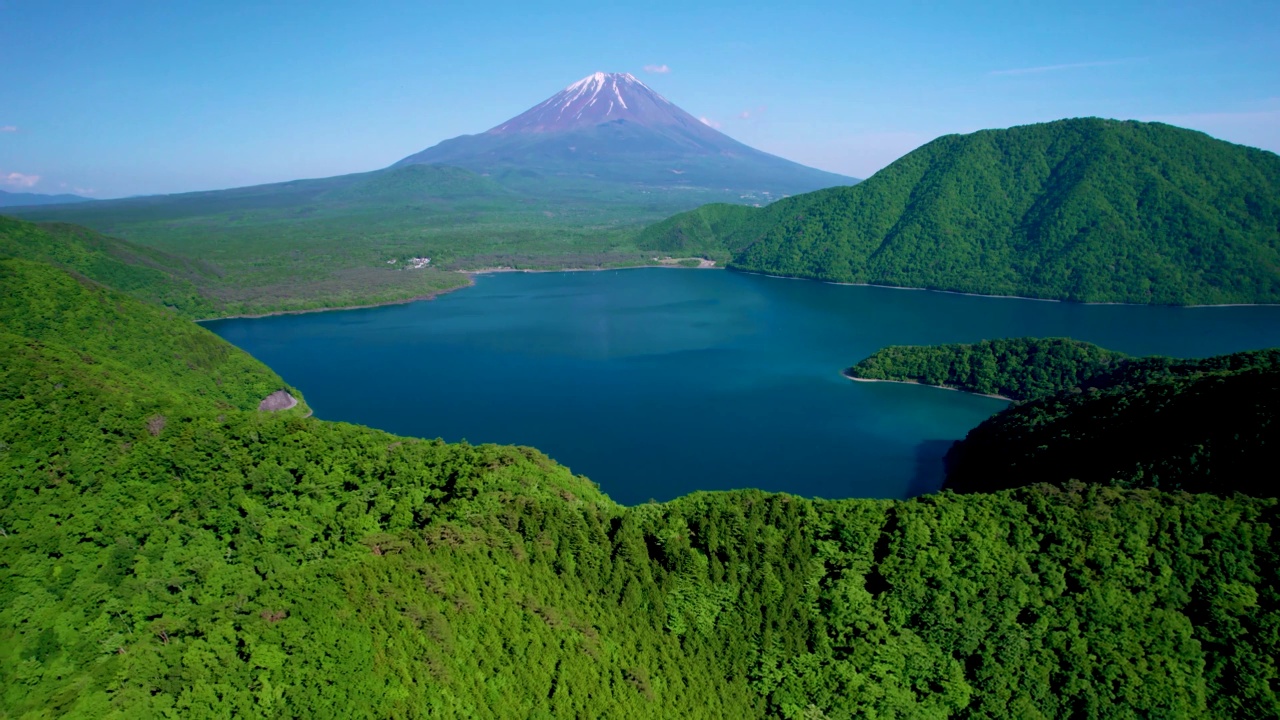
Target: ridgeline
[1087, 209]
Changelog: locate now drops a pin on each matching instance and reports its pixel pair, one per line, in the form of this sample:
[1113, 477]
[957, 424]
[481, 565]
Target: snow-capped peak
[595, 99]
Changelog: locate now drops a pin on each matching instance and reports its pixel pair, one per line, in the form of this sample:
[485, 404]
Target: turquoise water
[655, 383]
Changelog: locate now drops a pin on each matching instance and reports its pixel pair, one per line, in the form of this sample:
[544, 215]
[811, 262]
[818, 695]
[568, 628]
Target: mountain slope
[1193, 425]
[13, 199]
[614, 128]
[144, 273]
[51, 308]
[539, 192]
[1085, 209]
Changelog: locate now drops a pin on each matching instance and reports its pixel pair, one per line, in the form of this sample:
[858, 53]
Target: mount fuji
[567, 183]
[612, 128]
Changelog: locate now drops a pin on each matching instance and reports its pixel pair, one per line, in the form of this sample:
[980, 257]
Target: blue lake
[655, 383]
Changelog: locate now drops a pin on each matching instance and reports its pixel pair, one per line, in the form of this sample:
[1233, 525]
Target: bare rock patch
[278, 400]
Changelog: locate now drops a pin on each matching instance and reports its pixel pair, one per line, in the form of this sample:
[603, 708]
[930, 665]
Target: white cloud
[1065, 66]
[8, 128]
[748, 113]
[15, 179]
[709, 122]
[660, 69]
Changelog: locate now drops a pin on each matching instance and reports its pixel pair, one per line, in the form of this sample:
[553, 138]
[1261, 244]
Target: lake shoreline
[668, 266]
[998, 297]
[403, 301]
[854, 378]
[469, 274]
[708, 265]
[727, 359]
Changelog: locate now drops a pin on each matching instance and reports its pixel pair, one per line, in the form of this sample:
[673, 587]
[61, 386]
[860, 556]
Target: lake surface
[655, 383]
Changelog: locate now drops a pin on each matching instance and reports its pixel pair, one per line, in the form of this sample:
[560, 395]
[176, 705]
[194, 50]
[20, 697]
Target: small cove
[655, 383]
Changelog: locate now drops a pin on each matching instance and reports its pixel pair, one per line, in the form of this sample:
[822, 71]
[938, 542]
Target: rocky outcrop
[278, 400]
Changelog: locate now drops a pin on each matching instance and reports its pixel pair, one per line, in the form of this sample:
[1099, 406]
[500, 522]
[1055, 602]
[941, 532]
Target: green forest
[1085, 209]
[167, 550]
[1085, 413]
[1197, 425]
[1017, 368]
[329, 243]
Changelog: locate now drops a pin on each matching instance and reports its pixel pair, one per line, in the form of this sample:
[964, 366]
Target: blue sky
[121, 98]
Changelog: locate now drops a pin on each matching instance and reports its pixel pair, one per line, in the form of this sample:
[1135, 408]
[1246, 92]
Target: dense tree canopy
[1017, 368]
[168, 551]
[1085, 209]
[142, 272]
[1199, 425]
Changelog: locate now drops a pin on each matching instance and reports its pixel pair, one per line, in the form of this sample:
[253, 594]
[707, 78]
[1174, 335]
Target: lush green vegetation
[313, 244]
[1087, 209]
[203, 289]
[117, 345]
[1197, 425]
[1018, 368]
[708, 231]
[1095, 415]
[166, 550]
[140, 271]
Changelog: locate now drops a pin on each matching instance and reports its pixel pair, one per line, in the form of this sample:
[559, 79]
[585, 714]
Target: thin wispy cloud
[660, 69]
[748, 113]
[1065, 66]
[709, 122]
[8, 128]
[18, 180]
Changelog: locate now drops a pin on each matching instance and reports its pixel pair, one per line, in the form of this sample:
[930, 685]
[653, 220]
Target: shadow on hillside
[929, 471]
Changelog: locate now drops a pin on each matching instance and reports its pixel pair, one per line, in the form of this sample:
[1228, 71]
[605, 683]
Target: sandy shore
[913, 382]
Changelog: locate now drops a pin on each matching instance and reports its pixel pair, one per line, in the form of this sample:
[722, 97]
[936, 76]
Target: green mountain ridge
[1086, 209]
[22, 199]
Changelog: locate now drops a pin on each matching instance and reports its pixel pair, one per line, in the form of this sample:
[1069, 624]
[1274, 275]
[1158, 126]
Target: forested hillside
[1016, 368]
[1197, 425]
[114, 338]
[229, 562]
[1086, 209]
[142, 272]
[312, 279]
[714, 231]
